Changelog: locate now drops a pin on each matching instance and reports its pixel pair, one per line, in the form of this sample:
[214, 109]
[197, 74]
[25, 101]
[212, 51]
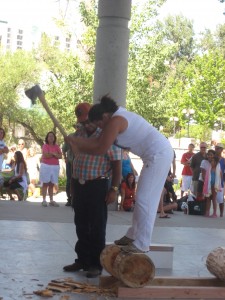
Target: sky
[204, 13]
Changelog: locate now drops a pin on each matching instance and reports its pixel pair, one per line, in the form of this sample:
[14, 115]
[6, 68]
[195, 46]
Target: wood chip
[44, 293]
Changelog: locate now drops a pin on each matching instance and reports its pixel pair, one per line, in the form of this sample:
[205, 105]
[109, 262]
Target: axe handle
[54, 120]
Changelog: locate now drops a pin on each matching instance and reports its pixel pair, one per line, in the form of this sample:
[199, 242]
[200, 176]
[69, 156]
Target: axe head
[33, 93]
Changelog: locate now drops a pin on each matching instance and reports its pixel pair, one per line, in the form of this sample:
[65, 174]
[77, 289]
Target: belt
[82, 181]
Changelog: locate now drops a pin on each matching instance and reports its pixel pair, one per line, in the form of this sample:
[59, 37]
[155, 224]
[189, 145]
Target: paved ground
[36, 242]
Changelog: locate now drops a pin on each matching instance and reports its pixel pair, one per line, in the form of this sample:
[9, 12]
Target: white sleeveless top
[140, 137]
[23, 183]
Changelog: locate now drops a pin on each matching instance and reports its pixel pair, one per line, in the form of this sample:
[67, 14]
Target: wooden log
[107, 258]
[134, 270]
[215, 262]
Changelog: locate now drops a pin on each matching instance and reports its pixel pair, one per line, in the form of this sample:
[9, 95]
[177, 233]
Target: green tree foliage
[168, 72]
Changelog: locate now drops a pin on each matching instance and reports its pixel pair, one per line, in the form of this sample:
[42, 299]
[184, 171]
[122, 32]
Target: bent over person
[95, 180]
[129, 130]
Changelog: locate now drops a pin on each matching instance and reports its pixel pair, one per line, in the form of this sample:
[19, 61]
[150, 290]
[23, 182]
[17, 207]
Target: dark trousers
[68, 180]
[90, 218]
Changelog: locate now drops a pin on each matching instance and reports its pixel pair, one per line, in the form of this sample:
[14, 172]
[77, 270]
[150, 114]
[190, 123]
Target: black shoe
[74, 267]
[68, 204]
[93, 272]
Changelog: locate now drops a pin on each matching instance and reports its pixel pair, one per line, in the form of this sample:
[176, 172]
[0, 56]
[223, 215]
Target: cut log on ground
[134, 270]
[107, 258]
[215, 262]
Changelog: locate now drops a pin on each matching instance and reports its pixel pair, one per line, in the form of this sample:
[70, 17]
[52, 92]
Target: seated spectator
[19, 180]
[170, 193]
[166, 206]
[32, 169]
[127, 166]
[128, 188]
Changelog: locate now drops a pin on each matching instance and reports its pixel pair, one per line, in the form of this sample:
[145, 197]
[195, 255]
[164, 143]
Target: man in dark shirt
[195, 166]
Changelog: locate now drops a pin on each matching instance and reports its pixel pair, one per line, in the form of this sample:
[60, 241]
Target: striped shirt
[88, 166]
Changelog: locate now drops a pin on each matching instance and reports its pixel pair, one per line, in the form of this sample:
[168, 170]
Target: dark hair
[106, 105]
[46, 138]
[211, 151]
[3, 131]
[127, 178]
[19, 159]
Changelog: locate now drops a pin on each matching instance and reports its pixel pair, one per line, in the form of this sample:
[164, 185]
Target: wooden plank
[155, 247]
[168, 292]
[186, 281]
[161, 247]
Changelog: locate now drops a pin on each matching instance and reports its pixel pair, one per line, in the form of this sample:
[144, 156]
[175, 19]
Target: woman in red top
[128, 193]
[49, 168]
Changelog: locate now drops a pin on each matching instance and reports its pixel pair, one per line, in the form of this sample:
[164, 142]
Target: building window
[8, 41]
[19, 43]
[20, 31]
[9, 30]
[19, 37]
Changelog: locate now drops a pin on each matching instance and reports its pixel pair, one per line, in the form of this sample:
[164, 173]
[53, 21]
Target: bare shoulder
[119, 122]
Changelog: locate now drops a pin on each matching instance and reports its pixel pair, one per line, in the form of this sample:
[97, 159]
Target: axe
[36, 92]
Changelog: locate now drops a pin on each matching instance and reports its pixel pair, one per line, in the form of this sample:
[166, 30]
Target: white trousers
[149, 188]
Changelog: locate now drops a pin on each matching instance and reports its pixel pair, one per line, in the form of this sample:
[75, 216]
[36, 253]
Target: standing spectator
[49, 168]
[9, 161]
[220, 194]
[19, 180]
[127, 190]
[3, 148]
[91, 195]
[127, 166]
[211, 175]
[68, 157]
[32, 169]
[22, 148]
[130, 131]
[196, 185]
[187, 171]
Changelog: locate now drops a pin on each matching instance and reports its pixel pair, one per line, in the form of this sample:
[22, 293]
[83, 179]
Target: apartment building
[14, 37]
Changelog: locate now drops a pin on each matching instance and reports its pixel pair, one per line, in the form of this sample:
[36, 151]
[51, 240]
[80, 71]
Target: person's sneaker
[68, 204]
[93, 272]
[131, 248]
[53, 203]
[123, 241]
[75, 267]
[44, 203]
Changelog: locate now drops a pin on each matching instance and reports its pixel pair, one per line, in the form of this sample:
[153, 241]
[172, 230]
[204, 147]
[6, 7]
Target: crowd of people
[99, 169]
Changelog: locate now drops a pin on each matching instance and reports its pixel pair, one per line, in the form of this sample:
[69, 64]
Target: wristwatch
[115, 188]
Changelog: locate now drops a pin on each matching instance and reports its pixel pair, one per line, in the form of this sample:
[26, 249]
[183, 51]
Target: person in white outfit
[130, 131]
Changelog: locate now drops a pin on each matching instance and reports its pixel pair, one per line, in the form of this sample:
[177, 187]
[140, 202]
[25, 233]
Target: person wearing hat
[130, 131]
[91, 193]
[196, 184]
[220, 194]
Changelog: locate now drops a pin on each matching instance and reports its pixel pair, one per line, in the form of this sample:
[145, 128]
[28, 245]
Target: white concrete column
[112, 47]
